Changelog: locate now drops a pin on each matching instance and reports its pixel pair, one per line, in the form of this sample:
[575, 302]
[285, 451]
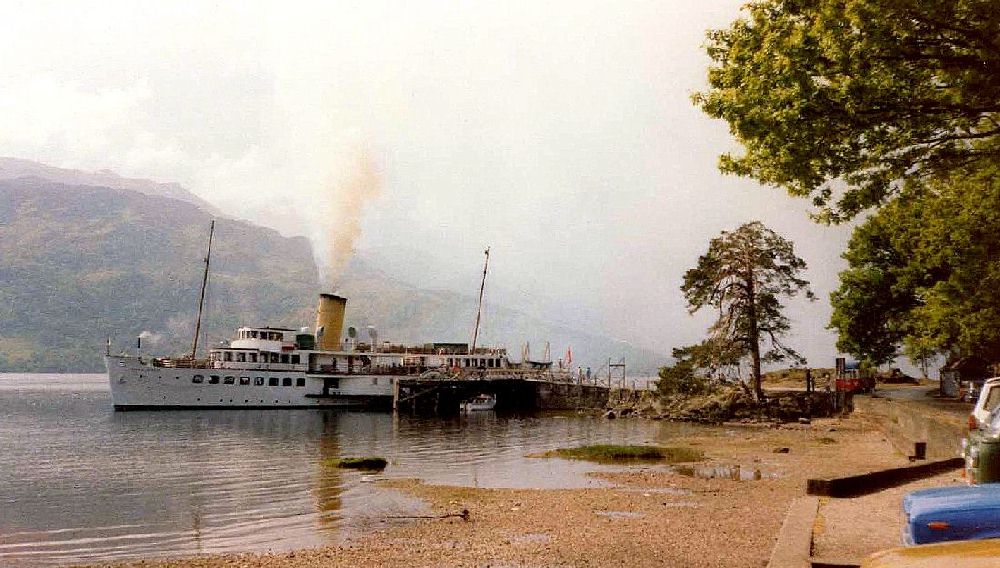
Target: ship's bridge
[264, 338]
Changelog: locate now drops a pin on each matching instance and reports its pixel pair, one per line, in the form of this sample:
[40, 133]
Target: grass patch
[604, 453]
[367, 464]
[825, 440]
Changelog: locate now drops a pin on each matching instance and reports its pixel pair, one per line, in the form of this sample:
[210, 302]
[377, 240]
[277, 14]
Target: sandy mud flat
[652, 516]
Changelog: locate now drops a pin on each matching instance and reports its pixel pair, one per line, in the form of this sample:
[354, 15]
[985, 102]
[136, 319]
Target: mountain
[403, 313]
[80, 263]
[14, 168]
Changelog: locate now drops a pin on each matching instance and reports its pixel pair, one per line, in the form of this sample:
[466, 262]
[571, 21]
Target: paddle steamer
[270, 367]
[273, 367]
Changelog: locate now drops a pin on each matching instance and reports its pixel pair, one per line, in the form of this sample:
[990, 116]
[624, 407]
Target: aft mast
[204, 284]
[479, 312]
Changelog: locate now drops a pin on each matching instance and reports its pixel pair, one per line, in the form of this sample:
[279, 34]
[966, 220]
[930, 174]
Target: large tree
[861, 93]
[698, 367]
[923, 272]
[744, 275]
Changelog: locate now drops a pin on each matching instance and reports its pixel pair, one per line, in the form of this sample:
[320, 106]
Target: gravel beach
[652, 516]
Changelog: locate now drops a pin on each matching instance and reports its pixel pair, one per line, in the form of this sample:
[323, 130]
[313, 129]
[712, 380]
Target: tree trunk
[754, 333]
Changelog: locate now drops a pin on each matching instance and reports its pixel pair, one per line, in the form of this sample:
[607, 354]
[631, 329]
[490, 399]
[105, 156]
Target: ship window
[374, 380]
[274, 357]
[213, 380]
[295, 359]
[229, 380]
[272, 382]
[286, 382]
[244, 380]
[253, 357]
[241, 357]
[300, 382]
[284, 358]
[197, 379]
[259, 381]
[253, 335]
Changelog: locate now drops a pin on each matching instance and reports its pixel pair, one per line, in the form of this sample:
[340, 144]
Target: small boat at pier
[480, 402]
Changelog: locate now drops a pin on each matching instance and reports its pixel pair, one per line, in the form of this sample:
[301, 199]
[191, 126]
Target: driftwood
[464, 515]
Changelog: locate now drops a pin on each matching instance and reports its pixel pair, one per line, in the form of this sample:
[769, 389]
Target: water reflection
[329, 478]
[81, 483]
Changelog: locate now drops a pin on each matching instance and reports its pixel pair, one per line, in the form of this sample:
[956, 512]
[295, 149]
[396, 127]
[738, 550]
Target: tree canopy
[697, 367]
[744, 275]
[841, 100]
[923, 272]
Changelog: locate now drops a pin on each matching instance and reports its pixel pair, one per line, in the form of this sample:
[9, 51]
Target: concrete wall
[566, 396]
[907, 422]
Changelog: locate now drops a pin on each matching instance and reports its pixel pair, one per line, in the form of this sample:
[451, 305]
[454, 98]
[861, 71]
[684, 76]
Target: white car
[989, 399]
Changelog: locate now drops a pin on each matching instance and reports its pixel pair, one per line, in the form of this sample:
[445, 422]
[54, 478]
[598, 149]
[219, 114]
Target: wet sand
[653, 516]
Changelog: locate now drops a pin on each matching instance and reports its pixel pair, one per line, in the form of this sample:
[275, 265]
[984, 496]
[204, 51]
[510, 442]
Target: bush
[681, 379]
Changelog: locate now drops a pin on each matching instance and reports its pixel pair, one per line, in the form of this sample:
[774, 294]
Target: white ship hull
[136, 384]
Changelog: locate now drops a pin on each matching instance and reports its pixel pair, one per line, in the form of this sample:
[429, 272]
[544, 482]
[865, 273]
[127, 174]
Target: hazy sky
[559, 133]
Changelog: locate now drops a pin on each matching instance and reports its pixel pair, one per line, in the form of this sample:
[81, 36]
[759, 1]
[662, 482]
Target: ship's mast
[479, 312]
[204, 284]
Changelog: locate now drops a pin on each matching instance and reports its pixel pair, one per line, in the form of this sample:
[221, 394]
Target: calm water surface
[80, 482]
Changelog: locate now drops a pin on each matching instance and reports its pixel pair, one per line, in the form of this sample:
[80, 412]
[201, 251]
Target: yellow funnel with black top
[330, 321]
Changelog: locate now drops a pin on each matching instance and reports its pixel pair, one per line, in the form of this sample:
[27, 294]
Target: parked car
[981, 450]
[958, 554]
[988, 399]
[959, 512]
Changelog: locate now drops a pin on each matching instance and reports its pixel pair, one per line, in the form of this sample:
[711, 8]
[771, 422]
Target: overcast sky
[559, 133]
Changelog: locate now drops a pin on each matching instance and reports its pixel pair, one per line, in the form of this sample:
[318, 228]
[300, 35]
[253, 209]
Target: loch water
[80, 482]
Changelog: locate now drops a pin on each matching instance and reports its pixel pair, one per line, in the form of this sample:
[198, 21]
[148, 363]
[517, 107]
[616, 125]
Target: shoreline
[651, 516]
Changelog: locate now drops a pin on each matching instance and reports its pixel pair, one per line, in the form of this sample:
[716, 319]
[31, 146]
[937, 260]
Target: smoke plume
[150, 338]
[342, 225]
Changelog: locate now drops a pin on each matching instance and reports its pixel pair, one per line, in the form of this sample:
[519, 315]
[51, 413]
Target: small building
[963, 376]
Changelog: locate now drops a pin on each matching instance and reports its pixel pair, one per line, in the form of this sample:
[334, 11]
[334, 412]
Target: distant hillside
[14, 168]
[79, 263]
[403, 313]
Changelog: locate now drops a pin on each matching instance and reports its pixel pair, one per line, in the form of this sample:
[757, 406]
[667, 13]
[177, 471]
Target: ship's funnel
[330, 321]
